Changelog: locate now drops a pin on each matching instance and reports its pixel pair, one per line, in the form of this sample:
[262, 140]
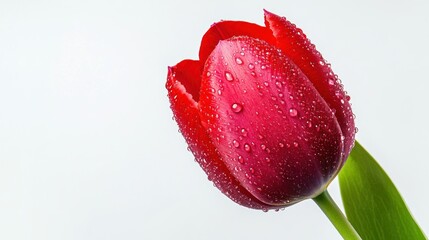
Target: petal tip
[266, 12]
[170, 70]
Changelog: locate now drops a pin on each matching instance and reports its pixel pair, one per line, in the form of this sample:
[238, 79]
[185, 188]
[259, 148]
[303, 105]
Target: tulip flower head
[262, 112]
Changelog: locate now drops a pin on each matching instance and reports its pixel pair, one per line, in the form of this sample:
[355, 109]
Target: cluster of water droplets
[272, 88]
[247, 72]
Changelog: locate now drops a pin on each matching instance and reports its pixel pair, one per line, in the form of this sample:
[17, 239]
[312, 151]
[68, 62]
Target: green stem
[337, 218]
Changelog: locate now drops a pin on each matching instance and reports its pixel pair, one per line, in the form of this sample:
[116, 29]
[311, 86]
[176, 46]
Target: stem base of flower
[337, 218]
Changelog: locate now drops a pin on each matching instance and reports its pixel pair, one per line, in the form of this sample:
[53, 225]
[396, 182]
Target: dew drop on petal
[228, 76]
[244, 132]
[295, 144]
[293, 112]
[236, 143]
[240, 159]
[251, 66]
[247, 147]
[236, 107]
[238, 61]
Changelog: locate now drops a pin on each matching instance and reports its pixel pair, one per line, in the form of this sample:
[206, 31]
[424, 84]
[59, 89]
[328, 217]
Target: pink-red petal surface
[276, 134]
[181, 80]
[294, 43]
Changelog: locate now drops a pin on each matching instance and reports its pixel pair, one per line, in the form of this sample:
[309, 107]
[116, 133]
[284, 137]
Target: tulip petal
[294, 43]
[188, 73]
[275, 132]
[227, 29]
[181, 81]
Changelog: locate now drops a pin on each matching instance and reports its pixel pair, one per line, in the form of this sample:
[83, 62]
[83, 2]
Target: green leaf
[372, 203]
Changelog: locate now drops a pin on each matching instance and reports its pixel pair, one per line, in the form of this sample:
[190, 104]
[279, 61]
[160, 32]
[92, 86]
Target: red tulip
[262, 112]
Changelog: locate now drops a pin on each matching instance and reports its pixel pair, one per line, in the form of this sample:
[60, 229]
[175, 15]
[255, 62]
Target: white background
[88, 149]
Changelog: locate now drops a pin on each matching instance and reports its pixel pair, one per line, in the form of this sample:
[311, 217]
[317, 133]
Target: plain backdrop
[88, 147]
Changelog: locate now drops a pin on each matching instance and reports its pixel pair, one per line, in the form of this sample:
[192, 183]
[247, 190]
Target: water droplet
[267, 160]
[317, 128]
[348, 97]
[228, 76]
[219, 92]
[293, 112]
[263, 147]
[236, 143]
[236, 107]
[252, 171]
[240, 159]
[208, 74]
[244, 132]
[263, 67]
[239, 61]
[295, 144]
[331, 82]
[247, 147]
[281, 145]
[279, 84]
[251, 66]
